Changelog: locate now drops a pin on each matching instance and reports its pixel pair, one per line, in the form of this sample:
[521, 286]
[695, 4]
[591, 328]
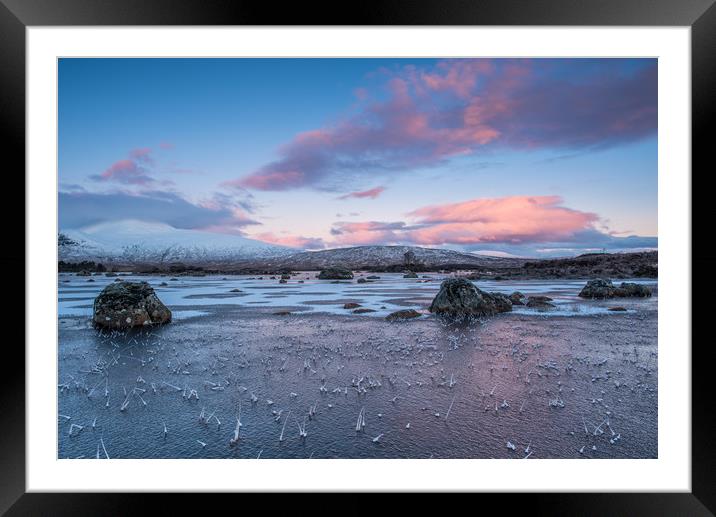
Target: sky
[525, 157]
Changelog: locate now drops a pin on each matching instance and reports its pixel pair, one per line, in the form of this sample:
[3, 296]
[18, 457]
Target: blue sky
[528, 157]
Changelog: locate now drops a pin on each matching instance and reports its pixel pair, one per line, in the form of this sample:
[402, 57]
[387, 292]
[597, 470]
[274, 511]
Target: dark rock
[517, 298]
[163, 284]
[84, 272]
[335, 273]
[110, 274]
[629, 289]
[351, 305]
[373, 277]
[124, 305]
[363, 310]
[460, 297]
[616, 309]
[601, 288]
[283, 281]
[90, 279]
[502, 301]
[598, 288]
[410, 274]
[362, 281]
[285, 277]
[282, 313]
[405, 314]
[540, 302]
[235, 291]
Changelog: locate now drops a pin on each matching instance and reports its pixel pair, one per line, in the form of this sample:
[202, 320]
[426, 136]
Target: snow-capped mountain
[131, 241]
[366, 257]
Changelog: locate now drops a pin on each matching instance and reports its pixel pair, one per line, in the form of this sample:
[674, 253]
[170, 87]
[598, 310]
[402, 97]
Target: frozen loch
[250, 367]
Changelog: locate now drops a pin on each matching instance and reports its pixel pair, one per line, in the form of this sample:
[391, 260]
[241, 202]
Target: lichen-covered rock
[124, 305]
[405, 314]
[598, 288]
[335, 273]
[460, 297]
[628, 289]
[517, 298]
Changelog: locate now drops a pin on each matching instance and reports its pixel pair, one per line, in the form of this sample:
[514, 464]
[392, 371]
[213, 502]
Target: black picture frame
[700, 15]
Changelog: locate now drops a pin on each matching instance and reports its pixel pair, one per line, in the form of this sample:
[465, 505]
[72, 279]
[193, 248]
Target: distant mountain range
[131, 242]
[382, 257]
[142, 243]
[147, 247]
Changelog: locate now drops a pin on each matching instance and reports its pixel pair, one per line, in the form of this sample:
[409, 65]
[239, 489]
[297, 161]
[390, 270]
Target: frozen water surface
[577, 381]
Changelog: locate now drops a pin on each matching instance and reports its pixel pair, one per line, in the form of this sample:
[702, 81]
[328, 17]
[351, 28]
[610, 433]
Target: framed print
[399, 252]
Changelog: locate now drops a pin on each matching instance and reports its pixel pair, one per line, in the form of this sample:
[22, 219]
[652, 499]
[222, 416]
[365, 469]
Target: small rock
[404, 314]
[335, 273]
[517, 298]
[540, 302]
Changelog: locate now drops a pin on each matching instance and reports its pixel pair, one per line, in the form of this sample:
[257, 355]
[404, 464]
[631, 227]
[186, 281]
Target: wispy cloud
[292, 241]
[127, 171]
[463, 106]
[131, 170]
[370, 193]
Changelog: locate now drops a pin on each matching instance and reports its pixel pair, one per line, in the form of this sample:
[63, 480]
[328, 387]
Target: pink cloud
[130, 171]
[512, 220]
[166, 145]
[371, 193]
[125, 171]
[142, 154]
[292, 241]
[459, 107]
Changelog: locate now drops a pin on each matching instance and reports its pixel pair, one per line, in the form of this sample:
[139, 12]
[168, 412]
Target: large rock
[410, 274]
[336, 273]
[460, 297]
[123, 305]
[517, 298]
[598, 288]
[601, 288]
